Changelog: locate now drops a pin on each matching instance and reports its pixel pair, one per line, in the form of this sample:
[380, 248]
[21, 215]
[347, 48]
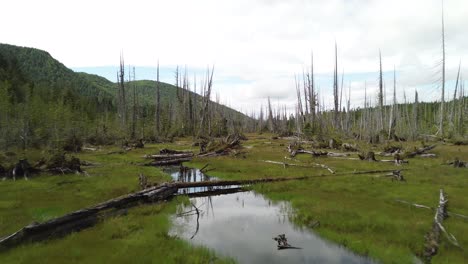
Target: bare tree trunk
[206, 102]
[348, 112]
[271, 123]
[441, 128]
[452, 113]
[123, 104]
[415, 115]
[392, 125]
[312, 92]
[134, 112]
[305, 85]
[381, 121]
[158, 104]
[299, 104]
[335, 88]
[341, 98]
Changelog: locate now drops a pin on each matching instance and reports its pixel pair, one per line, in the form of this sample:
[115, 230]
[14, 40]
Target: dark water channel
[242, 226]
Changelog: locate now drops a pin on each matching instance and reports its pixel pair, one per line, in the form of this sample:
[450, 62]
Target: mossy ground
[357, 211]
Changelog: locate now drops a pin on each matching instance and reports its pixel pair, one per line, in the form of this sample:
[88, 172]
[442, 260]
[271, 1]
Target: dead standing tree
[335, 88]
[135, 105]
[381, 118]
[271, 122]
[122, 100]
[312, 91]
[441, 119]
[158, 104]
[205, 103]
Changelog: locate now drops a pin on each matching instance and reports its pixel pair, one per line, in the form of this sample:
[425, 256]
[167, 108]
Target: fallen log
[84, 218]
[168, 156]
[168, 162]
[335, 154]
[368, 172]
[419, 151]
[233, 182]
[311, 152]
[432, 238]
[458, 163]
[171, 151]
[215, 192]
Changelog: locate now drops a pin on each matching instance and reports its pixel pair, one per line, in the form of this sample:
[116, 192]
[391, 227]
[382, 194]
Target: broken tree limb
[198, 222]
[325, 167]
[284, 164]
[204, 167]
[313, 165]
[414, 204]
[431, 208]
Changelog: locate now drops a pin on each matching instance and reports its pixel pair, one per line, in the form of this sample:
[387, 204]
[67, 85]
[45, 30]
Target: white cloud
[261, 42]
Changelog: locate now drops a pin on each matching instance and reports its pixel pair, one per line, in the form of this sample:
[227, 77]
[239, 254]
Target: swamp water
[242, 226]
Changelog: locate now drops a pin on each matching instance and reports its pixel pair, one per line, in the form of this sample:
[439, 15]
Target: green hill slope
[44, 102]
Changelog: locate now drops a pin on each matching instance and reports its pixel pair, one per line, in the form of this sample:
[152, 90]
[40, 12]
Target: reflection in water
[243, 225]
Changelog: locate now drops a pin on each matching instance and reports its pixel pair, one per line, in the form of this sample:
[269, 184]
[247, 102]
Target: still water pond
[242, 226]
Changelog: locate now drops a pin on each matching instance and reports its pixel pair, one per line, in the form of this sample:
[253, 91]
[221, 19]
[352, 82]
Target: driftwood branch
[431, 208]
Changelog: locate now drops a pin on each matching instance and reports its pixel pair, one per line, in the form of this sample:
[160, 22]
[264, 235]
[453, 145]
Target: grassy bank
[357, 211]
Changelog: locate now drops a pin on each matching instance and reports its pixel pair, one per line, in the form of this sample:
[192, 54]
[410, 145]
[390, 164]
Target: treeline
[374, 121]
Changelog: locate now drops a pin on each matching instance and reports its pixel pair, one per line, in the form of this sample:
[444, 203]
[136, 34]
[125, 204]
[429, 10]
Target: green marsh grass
[356, 211]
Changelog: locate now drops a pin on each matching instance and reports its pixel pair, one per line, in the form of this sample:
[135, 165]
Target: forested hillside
[43, 103]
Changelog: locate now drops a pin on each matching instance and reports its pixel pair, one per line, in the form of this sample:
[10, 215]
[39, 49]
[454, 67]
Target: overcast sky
[256, 46]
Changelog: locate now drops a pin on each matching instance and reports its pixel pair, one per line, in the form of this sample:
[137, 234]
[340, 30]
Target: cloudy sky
[257, 46]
